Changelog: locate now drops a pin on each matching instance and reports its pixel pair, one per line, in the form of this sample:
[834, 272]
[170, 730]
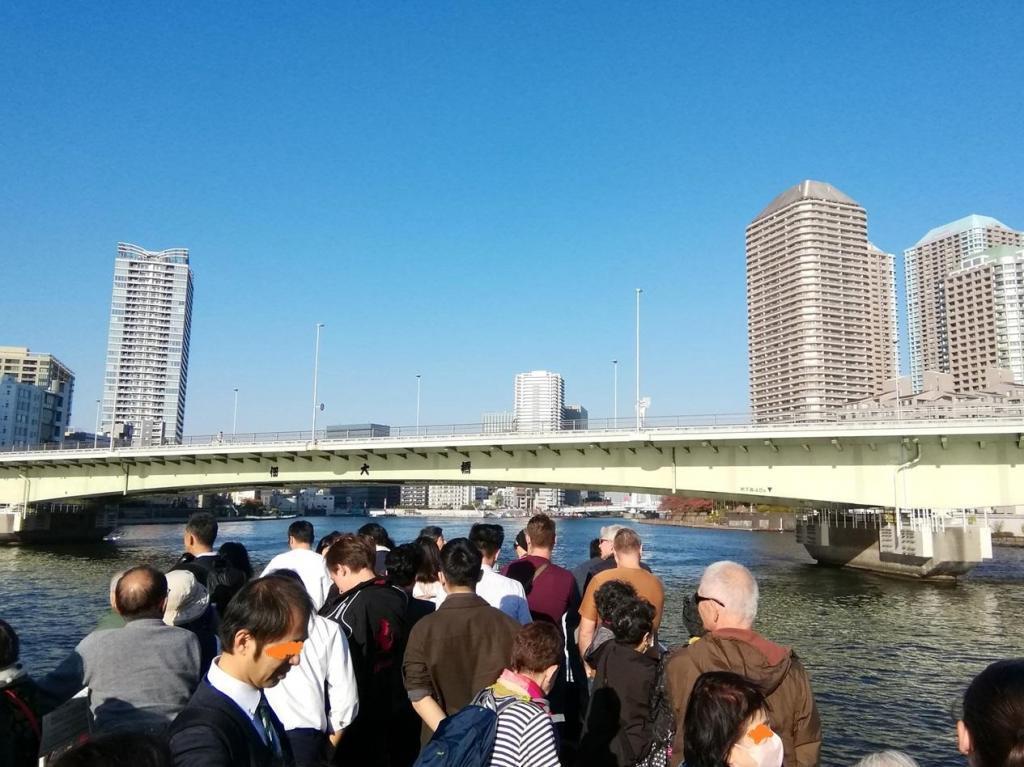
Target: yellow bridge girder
[913, 465]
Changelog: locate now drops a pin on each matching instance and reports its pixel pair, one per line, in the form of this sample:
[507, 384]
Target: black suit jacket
[213, 731]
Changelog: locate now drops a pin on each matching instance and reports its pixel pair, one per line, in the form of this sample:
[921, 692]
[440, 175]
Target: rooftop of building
[806, 190]
[134, 252]
[961, 225]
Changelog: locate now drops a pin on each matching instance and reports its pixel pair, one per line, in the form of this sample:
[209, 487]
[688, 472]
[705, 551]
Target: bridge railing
[595, 427]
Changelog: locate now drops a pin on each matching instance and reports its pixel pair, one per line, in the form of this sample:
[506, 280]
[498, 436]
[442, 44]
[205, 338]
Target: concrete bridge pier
[914, 543]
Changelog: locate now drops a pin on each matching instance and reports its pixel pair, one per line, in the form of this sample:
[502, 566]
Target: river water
[887, 658]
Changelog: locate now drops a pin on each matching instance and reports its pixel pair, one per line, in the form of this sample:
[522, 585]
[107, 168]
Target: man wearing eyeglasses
[228, 722]
[726, 601]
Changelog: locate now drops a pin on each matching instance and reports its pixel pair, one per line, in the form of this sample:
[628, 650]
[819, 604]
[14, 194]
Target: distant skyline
[467, 191]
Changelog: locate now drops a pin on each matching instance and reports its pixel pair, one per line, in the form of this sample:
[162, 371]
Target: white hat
[187, 598]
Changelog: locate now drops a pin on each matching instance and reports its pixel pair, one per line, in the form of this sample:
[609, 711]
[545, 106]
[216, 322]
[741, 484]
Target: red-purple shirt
[551, 594]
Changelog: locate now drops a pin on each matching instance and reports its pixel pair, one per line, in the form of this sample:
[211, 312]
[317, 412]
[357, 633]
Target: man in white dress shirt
[324, 680]
[507, 594]
[301, 558]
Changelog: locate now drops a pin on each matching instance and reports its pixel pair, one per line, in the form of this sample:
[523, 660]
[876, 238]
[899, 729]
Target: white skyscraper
[540, 399]
[147, 346]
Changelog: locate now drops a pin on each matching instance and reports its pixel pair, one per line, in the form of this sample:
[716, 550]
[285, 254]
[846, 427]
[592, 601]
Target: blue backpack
[466, 738]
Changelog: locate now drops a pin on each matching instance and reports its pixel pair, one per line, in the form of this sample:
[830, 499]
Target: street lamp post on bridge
[316, 371]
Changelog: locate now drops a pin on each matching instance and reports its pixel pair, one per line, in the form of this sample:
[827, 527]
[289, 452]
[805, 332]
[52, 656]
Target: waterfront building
[21, 407]
[455, 496]
[361, 499]
[938, 397]
[574, 418]
[539, 405]
[498, 422]
[928, 263]
[821, 305]
[148, 345]
[414, 496]
[985, 317]
[358, 431]
[49, 373]
[539, 401]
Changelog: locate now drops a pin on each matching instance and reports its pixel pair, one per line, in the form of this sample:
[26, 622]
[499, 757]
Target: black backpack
[221, 579]
[663, 722]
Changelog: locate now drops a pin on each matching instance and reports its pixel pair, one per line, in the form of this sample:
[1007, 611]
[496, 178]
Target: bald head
[732, 593]
[141, 593]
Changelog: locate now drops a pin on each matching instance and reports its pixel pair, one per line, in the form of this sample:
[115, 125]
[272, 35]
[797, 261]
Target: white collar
[245, 696]
[207, 554]
[486, 568]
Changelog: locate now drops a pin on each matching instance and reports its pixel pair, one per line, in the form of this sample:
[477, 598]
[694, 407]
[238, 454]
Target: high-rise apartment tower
[985, 317]
[821, 306]
[147, 346]
[941, 251]
[540, 398]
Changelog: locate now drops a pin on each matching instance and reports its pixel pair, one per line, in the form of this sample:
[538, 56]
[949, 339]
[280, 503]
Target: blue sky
[470, 190]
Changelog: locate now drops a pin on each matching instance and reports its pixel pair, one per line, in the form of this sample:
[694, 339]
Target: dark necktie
[266, 721]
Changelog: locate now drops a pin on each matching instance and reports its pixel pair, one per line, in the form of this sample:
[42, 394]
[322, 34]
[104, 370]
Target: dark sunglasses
[697, 599]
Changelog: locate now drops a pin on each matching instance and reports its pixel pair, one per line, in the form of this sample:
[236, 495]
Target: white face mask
[767, 753]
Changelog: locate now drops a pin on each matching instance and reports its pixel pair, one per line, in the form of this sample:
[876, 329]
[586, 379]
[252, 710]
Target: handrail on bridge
[952, 414]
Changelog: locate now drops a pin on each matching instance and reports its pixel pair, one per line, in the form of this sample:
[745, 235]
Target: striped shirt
[525, 737]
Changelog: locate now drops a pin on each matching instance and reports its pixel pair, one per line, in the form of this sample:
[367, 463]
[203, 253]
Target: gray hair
[887, 759]
[608, 532]
[734, 586]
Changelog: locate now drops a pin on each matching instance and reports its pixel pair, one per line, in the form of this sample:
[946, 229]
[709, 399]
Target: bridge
[949, 462]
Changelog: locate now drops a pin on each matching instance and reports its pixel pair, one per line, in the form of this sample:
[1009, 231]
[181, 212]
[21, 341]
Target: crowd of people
[356, 651]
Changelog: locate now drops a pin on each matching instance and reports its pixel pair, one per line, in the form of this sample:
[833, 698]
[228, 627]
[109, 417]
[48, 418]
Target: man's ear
[243, 643]
[442, 580]
[963, 737]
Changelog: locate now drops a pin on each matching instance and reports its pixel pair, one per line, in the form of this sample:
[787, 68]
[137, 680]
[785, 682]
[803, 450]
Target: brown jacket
[774, 668]
[457, 651]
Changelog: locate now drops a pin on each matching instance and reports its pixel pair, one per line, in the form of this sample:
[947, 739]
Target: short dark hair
[10, 645]
[430, 559]
[487, 537]
[378, 533]
[265, 608]
[403, 562]
[541, 530]
[237, 556]
[301, 531]
[720, 703]
[203, 526]
[536, 647]
[521, 539]
[461, 563]
[993, 712]
[356, 552]
[433, 532]
[632, 620]
[140, 593]
[595, 548]
[327, 541]
[124, 749]
[612, 595]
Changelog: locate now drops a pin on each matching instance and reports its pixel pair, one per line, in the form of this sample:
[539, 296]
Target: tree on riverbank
[676, 504]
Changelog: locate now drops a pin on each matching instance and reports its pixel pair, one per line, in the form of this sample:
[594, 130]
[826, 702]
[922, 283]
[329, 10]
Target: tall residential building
[414, 496]
[941, 251]
[539, 405]
[985, 317]
[539, 400]
[147, 348]
[820, 305]
[49, 373]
